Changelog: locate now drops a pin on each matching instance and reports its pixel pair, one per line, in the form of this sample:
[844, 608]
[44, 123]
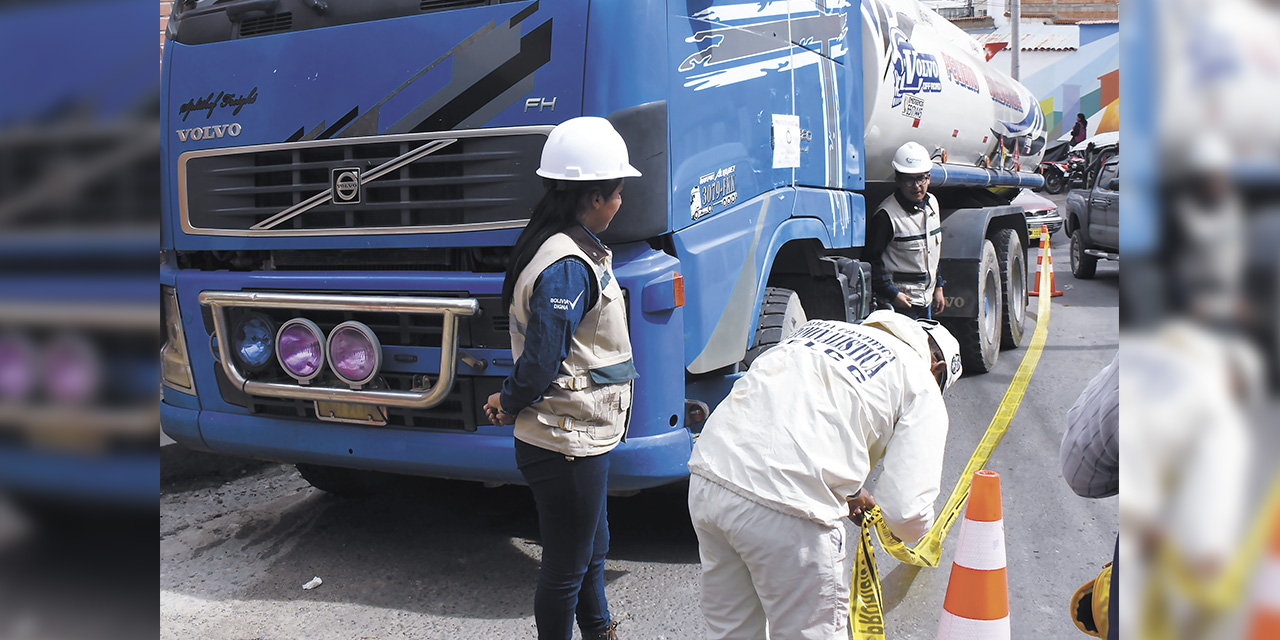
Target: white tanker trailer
[928, 81]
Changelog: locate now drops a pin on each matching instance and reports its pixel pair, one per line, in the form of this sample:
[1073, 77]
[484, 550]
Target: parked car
[1040, 211]
[1093, 220]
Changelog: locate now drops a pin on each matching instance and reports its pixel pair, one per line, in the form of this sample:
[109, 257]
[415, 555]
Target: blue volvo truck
[363, 168]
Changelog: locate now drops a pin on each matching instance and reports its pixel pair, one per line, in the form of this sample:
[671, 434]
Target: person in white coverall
[785, 457]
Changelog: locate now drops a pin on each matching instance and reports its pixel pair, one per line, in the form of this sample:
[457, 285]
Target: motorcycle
[1059, 176]
[1055, 176]
[1076, 170]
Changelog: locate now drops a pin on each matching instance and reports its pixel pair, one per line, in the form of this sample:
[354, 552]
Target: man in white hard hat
[904, 239]
[784, 459]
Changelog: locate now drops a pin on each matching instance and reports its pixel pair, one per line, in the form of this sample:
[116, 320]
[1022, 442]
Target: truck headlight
[354, 353]
[72, 370]
[253, 341]
[175, 367]
[300, 347]
[17, 367]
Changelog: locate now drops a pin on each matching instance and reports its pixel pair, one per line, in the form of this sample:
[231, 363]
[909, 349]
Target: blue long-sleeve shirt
[562, 295]
[549, 332]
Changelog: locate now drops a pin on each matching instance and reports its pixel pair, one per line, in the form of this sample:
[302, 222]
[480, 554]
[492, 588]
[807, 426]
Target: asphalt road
[437, 559]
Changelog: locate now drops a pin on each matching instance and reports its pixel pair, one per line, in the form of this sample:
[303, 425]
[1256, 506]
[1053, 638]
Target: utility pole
[1015, 37]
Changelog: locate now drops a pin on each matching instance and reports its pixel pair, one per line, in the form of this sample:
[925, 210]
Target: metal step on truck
[347, 176]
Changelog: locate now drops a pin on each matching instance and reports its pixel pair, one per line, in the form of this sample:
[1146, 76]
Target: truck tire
[1012, 258]
[348, 483]
[1053, 182]
[1083, 266]
[780, 315]
[980, 337]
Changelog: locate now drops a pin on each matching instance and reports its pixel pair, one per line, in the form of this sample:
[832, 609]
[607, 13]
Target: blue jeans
[572, 518]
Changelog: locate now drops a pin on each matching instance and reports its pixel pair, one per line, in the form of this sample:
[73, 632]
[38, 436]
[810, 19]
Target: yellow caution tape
[1228, 588]
[866, 607]
[1216, 597]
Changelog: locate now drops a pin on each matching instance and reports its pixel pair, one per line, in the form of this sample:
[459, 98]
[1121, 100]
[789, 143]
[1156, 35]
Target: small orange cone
[1045, 256]
[1264, 624]
[977, 602]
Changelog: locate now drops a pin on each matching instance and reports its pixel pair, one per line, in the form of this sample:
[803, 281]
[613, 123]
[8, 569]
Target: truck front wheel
[349, 483]
[1012, 258]
[980, 337]
[780, 315]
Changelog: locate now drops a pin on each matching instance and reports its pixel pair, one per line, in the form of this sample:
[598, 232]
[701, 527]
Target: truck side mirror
[1112, 184]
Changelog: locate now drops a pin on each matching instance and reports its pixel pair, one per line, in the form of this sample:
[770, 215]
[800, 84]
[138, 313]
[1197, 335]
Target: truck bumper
[638, 463]
[124, 480]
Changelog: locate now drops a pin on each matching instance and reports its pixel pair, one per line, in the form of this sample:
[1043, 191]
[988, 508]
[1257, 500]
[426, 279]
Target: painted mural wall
[1086, 81]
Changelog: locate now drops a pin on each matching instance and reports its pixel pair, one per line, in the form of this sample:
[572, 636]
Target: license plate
[351, 412]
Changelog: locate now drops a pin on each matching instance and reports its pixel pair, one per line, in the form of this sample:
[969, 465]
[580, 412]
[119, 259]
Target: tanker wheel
[1053, 182]
[780, 315]
[1012, 258]
[980, 337]
[348, 483]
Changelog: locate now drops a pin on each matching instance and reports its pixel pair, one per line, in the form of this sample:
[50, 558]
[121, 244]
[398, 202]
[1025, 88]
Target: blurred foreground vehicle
[79, 428]
[79, 185]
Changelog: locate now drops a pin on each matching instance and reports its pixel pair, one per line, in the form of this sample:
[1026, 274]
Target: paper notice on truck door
[786, 141]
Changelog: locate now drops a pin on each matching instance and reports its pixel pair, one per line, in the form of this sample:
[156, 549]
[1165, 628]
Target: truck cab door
[826, 62]
[730, 74]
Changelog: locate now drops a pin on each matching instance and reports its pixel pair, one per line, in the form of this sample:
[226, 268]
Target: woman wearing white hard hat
[569, 395]
[904, 239]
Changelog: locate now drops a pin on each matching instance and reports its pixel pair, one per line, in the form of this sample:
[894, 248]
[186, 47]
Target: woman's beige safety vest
[576, 415]
[911, 259]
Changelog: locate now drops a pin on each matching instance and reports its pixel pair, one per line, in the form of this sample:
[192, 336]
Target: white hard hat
[950, 350]
[586, 148]
[1210, 153]
[912, 158]
[903, 328]
[916, 334]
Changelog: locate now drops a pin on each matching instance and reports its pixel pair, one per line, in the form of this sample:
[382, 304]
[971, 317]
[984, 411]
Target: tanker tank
[928, 81]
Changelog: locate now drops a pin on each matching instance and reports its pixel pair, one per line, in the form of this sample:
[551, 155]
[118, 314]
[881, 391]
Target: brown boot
[608, 633]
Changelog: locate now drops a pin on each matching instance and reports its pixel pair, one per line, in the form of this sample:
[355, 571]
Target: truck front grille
[460, 410]
[432, 6]
[277, 23]
[413, 183]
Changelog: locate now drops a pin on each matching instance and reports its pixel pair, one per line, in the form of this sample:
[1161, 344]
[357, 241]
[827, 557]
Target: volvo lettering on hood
[209, 133]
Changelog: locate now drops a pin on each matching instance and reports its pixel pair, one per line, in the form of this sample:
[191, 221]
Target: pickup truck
[1093, 220]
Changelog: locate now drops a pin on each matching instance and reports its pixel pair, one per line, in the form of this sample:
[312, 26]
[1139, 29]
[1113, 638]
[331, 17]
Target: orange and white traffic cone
[977, 602]
[1264, 624]
[1046, 257]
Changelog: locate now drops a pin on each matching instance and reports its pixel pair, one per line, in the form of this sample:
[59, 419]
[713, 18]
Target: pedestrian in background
[569, 395]
[1080, 130]
[785, 458]
[904, 239]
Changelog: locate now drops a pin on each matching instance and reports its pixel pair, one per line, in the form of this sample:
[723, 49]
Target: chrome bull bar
[450, 308]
